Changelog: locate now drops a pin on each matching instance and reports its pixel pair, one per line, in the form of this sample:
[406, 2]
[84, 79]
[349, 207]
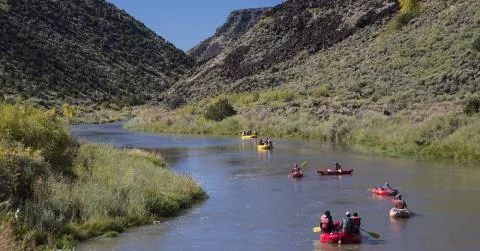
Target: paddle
[373, 234]
[317, 229]
[303, 163]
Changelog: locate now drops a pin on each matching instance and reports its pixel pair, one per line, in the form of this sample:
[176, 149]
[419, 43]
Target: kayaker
[295, 168]
[260, 143]
[268, 141]
[254, 132]
[356, 220]
[244, 133]
[399, 202]
[326, 222]
[346, 223]
[338, 167]
[386, 186]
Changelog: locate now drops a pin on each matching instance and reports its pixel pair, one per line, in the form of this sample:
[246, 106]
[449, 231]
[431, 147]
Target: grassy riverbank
[436, 130]
[55, 191]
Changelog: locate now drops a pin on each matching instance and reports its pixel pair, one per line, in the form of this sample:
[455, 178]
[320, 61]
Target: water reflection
[398, 225]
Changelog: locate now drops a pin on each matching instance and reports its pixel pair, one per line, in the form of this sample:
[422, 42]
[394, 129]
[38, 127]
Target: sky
[185, 23]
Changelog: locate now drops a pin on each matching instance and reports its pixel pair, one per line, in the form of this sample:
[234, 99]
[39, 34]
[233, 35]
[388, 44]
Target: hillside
[354, 50]
[400, 79]
[237, 24]
[82, 52]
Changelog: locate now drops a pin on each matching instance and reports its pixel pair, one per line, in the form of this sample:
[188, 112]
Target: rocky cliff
[237, 24]
[290, 30]
[82, 51]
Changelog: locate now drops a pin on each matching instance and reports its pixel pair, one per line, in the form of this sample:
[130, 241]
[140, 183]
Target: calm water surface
[253, 205]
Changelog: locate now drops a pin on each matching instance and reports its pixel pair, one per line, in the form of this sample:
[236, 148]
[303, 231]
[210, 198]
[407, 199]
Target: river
[253, 205]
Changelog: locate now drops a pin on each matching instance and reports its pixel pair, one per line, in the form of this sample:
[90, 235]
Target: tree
[220, 110]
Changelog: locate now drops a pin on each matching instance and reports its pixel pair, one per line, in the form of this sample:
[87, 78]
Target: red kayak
[386, 192]
[344, 238]
[298, 174]
[333, 172]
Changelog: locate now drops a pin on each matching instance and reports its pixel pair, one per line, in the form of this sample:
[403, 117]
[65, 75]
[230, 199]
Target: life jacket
[400, 204]
[356, 224]
[325, 223]
[346, 225]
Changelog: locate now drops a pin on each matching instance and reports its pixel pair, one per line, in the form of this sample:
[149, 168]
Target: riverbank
[430, 131]
[56, 191]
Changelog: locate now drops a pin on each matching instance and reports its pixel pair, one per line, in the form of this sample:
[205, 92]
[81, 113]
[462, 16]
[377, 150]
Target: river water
[253, 205]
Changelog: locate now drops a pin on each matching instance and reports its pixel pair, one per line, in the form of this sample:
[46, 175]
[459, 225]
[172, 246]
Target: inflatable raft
[399, 213]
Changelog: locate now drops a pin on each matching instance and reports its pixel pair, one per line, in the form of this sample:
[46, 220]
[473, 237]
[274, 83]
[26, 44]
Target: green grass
[427, 134]
[105, 190]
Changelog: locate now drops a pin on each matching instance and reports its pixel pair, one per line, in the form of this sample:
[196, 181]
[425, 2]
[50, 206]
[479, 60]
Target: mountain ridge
[83, 52]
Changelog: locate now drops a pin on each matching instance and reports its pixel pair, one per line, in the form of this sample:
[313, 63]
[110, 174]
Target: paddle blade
[374, 235]
[317, 229]
[303, 163]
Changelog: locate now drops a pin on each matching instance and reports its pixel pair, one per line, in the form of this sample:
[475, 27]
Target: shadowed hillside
[82, 51]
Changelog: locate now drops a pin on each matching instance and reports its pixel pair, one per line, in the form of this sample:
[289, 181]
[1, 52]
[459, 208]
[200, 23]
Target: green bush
[409, 9]
[41, 130]
[471, 105]
[476, 44]
[220, 110]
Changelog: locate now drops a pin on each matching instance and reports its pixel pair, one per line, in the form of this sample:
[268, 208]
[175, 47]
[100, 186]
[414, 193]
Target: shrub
[476, 44]
[220, 110]
[471, 105]
[175, 102]
[321, 91]
[40, 130]
[409, 9]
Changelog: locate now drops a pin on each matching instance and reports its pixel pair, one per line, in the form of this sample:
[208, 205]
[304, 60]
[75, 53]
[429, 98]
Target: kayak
[265, 147]
[249, 136]
[386, 192]
[333, 172]
[296, 174]
[399, 213]
[343, 238]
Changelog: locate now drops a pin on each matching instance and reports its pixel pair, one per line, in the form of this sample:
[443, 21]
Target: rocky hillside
[238, 23]
[285, 31]
[356, 54]
[82, 51]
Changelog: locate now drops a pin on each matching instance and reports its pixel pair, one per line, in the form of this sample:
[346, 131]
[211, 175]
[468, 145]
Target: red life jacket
[324, 222]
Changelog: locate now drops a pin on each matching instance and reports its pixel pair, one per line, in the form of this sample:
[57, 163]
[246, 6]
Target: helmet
[347, 213]
[355, 214]
[327, 213]
[398, 196]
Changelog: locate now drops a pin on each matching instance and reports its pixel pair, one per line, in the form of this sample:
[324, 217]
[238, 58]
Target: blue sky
[185, 23]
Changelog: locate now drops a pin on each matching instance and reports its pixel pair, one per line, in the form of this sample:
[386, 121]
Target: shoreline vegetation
[55, 191]
[439, 130]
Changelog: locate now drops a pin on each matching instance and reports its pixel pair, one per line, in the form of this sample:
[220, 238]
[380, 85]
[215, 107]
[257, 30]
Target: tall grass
[424, 135]
[105, 189]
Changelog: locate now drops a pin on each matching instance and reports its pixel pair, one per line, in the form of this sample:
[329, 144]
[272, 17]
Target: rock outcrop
[285, 32]
[238, 23]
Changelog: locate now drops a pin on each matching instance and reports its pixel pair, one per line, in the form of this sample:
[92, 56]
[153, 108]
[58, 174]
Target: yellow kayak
[249, 136]
[265, 147]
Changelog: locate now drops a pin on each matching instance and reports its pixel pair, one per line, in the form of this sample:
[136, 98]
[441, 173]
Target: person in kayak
[386, 186]
[345, 224]
[338, 167]
[398, 202]
[326, 222]
[260, 143]
[356, 220]
[295, 168]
